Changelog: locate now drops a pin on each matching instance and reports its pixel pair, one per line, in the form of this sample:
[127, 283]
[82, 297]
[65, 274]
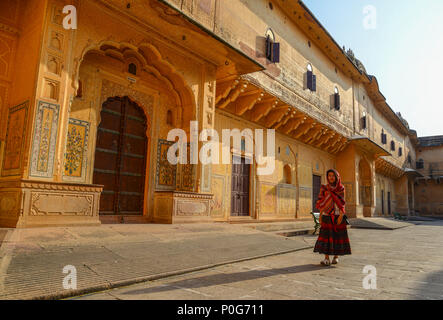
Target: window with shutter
[311, 79]
[392, 146]
[363, 123]
[383, 138]
[337, 101]
[400, 152]
[275, 52]
[268, 48]
[272, 50]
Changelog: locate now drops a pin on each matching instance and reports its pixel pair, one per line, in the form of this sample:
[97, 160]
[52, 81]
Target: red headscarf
[330, 194]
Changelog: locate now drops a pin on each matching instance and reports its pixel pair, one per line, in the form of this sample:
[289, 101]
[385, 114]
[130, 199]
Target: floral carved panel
[44, 140]
[75, 163]
[166, 172]
[15, 139]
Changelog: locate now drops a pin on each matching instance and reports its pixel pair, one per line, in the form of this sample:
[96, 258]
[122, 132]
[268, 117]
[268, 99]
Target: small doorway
[410, 199]
[240, 187]
[121, 158]
[389, 203]
[383, 202]
[316, 184]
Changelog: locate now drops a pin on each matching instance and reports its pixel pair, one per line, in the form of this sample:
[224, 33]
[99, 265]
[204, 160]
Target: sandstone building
[85, 114]
[429, 187]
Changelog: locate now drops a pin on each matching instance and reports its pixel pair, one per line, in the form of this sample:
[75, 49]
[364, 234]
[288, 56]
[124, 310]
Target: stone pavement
[32, 260]
[380, 223]
[408, 262]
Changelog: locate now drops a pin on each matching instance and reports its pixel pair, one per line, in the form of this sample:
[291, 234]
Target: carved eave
[246, 100]
[412, 173]
[388, 169]
[370, 147]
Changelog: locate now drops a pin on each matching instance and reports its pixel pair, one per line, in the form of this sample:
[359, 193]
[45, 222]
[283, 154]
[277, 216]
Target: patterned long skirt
[331, 242]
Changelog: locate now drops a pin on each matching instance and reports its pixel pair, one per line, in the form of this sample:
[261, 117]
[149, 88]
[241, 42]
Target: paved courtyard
[408, 262]
[219, 261]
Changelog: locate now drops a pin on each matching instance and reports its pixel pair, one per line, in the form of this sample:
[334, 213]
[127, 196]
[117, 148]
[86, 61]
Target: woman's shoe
[325, 262]
[335, 261]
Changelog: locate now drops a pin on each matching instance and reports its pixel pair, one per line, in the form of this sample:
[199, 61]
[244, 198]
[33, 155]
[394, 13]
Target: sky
[401, 45]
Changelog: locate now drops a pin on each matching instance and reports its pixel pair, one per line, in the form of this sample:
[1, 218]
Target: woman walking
[333, 237]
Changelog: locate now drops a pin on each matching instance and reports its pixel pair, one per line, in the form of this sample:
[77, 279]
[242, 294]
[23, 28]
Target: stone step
[281, 226]
[295, 232]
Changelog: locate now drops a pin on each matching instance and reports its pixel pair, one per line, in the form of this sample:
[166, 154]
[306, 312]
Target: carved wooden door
[240, 188]
[120, 157]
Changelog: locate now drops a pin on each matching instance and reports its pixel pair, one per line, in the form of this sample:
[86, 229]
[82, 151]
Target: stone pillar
[346, 166]
[38, 170]
[401, 195]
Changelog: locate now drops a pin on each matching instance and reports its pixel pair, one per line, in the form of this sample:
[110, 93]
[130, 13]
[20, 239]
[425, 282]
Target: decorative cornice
[9, 29]
[28, 184]
[184, 194]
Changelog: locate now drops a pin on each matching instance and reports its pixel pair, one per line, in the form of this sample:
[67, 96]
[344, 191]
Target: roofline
[369, 77]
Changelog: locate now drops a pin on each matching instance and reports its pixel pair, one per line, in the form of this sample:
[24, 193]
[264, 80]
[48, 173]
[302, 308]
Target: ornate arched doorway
[121, 158]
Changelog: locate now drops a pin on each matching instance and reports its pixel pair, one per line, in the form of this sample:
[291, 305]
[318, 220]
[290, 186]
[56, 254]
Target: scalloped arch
[152, 61]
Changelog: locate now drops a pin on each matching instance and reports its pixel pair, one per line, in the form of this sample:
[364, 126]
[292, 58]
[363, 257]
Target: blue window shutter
[314, 83]
[309, 80]
[268, 48]
[337, 101]
[276, 52]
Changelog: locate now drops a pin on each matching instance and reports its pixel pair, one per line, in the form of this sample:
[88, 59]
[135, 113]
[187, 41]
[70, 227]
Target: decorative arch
[287, 174]
[144, 101]
[289, 165]
[321, 170]
[150, 60]
[364, 170]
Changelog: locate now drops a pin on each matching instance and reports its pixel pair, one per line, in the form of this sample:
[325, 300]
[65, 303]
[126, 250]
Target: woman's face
[331, 178]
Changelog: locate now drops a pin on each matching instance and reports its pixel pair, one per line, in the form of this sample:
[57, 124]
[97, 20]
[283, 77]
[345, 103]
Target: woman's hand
[340, 218]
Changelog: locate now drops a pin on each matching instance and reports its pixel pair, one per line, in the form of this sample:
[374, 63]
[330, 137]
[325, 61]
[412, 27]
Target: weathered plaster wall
[285, 194]
[384, 184]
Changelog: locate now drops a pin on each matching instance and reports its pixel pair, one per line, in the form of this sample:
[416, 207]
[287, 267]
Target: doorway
[240, 187]
[383, 202]
[121, 158]
[316, 185]
[389, 203]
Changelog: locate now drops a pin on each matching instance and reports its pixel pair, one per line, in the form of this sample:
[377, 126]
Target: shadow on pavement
[224, 278]
[432, 287]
